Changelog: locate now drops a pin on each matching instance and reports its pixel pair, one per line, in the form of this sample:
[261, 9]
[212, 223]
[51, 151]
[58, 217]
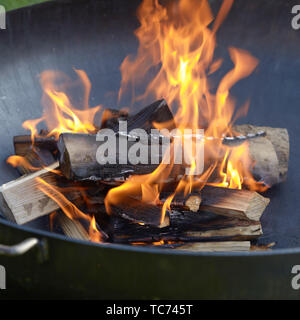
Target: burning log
[79, 163]
[242, 204]
[142, 213]
[156, 113]
[188, 227]
[111, 117]
[35, 159]
[78, 160]
[23, 144]
[222, 246]
[270, 153]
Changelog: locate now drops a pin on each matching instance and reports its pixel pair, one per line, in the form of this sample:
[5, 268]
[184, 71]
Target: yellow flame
[59, 113]
[177, 41]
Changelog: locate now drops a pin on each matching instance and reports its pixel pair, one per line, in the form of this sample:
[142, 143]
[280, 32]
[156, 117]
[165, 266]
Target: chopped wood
[22, 144]
[36, 158]
[270, 153]
[142, 213]
[78, 160]
[77, 229]
[111, 117]
[187, 227]
[72, 228]
[222, 246]
[242, 204]
[21, 200]
[78, 152]
[148, 118]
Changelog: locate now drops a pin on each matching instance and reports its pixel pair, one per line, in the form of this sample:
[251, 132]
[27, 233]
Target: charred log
[142, 213]
[22, 144]
[188, 227]
[242, 204]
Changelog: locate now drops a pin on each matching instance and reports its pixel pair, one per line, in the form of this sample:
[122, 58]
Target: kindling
[138, 147]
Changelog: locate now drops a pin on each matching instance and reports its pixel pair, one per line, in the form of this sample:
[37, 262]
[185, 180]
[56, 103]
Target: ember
[127, 190]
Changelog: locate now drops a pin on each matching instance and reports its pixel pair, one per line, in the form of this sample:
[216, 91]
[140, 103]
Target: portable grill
[96, 36]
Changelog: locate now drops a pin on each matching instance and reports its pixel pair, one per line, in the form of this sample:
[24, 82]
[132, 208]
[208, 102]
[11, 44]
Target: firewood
[21, 201]
[147, 119]
[22, 144]
[187, 226]
[78, 151]
[142, 213]
[78, 160]
[111, 117]
[72, 228]
[222, 246]
[242, 204]
[35, 159]
[77, 229]
[270, 153]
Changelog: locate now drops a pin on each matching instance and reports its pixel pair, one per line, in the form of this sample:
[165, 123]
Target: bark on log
[78, 159]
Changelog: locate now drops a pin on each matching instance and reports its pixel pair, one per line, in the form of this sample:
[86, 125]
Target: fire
[69, 209]
[59, 113]
[61, 116]
[178, 41]
[18, 161]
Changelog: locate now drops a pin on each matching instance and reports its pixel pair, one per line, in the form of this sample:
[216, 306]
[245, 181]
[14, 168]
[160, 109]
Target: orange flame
[19, 161]
[69, 209]
[59, 113]
[178, 42]
[61, 116]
